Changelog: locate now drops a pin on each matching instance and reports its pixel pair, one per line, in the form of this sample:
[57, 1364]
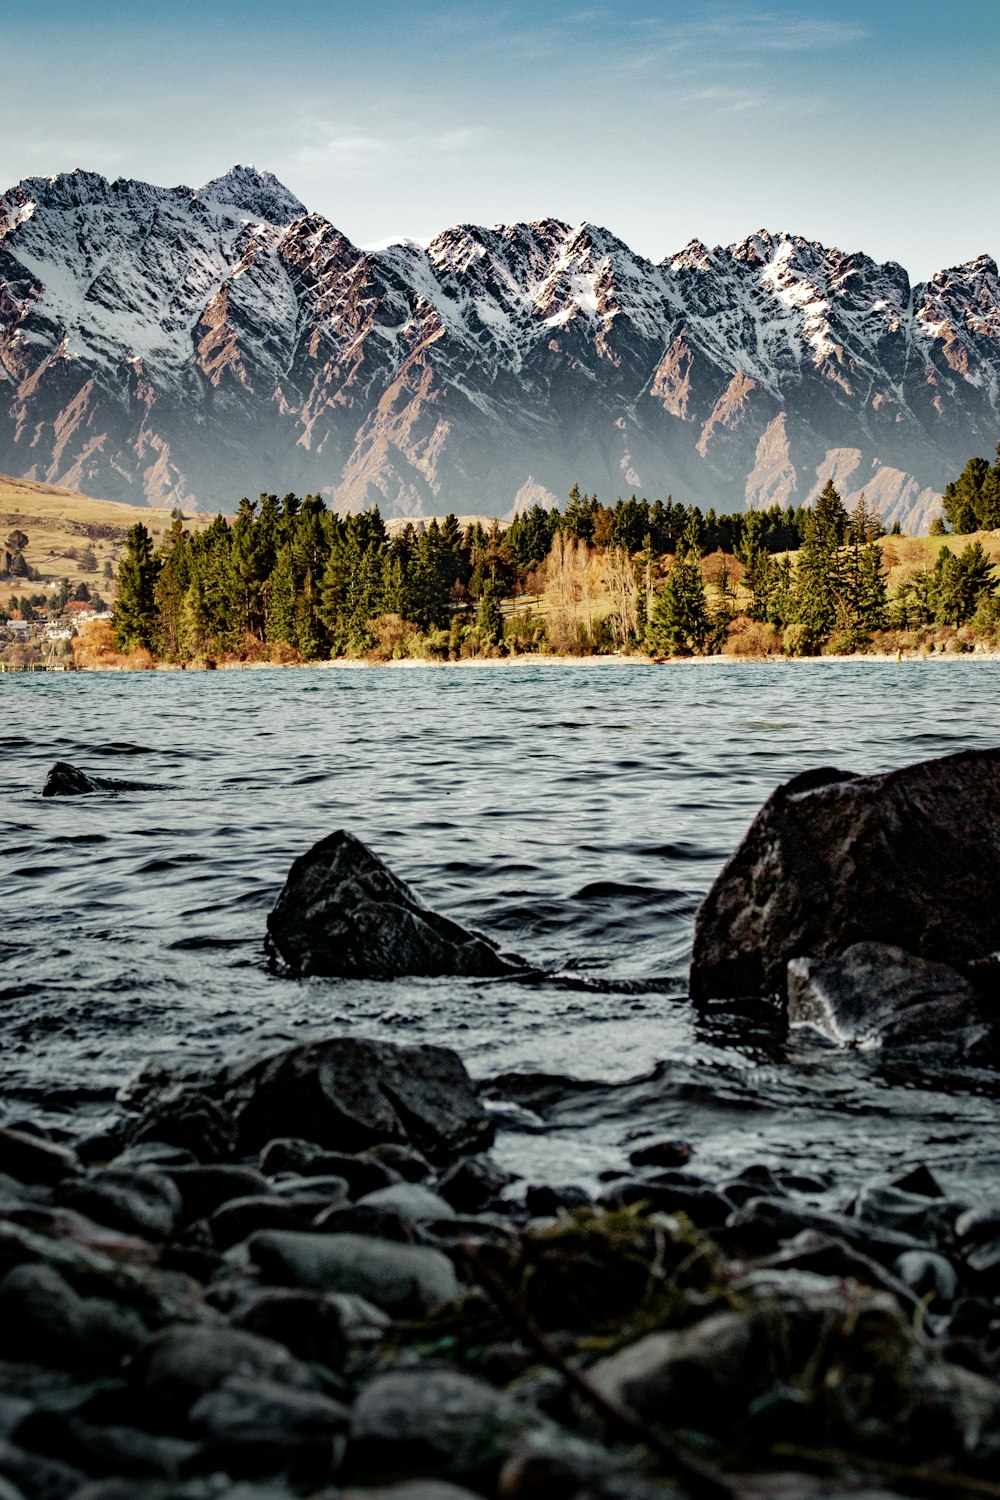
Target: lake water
[575, 813]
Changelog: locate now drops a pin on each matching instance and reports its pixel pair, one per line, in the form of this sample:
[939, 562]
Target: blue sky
[870, 126]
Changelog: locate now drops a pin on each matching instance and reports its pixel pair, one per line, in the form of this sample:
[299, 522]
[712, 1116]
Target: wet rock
[762, 1225]
[402, 1161]
[433, 1422]
[237, 1220]
[366, 1219]
[544, 1201]
[471, 1184]
[309, 1325]
[825, 1255]
[65, 780]
[347, 1093]
[930, 1219]
[920, 1180]
[413, 1202]
[36, 1477]
[150, 1152]
[910, 858]
[928, 1274]
[255, 1427]
[142, 1203]
[43, 1318]
[662, 1154]
[203, 1189]
[978, 1232]
[104, 1450]
[876, 994]
[291, 1154]
[31, 1158]
[705, 1207]
[342, 912]
[405, 1280]
[179, 1364]
[189, 1119]
[705, 1375]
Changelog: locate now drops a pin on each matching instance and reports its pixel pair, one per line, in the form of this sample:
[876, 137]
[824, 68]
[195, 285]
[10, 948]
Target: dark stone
[402, 1161]
[104, 1450]
[411, 1200]
[706, 1208]
[930, 1220]
[31, 1158]
[878, 994]
[920, 1180]
[911, 857]
[203, 1189]
[706, 1375]
[662, 1154]
[826, 1255]
[470, 1184]
[179, 1364]
[929, 1275]
[237, 1220]
[308, 1324]
[65, 780]
[143, 1203]
[190, 1120]
[405, 1280]
[36, 1477]
[347, 1093]
[291, 1154]
[342, 912]
[544, 1201]
[433, 1422]
[43, 1318]
[761, 1226]
[254, 1426]
[367, 1219]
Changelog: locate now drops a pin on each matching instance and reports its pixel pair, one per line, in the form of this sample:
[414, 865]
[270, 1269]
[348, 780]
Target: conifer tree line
[290, 580]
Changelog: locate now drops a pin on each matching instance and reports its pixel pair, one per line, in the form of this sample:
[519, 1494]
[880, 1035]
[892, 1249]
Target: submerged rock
[343, 913]
[832, 859]
[875, 993]
[65, 780]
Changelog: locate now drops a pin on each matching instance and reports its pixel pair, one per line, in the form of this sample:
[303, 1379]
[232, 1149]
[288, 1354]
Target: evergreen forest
[289, 580]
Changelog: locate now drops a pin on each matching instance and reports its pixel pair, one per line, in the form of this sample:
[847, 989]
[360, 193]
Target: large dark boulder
[65, 780]
[910, 858]
[343, 913]
[343, 1094]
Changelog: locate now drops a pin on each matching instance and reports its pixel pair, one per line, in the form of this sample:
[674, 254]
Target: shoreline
[509, 662]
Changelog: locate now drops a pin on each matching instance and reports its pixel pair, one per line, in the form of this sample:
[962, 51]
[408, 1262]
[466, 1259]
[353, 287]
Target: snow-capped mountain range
[188, 347]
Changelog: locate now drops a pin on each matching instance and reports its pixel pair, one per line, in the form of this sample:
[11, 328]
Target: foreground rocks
[342, 912]
[911, 858]
[310, 1319]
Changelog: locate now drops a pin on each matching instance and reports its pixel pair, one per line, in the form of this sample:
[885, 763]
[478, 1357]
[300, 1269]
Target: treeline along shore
[290, 581]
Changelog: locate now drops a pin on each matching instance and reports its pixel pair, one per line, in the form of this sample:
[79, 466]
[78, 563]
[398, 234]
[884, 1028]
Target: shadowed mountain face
[187, 347]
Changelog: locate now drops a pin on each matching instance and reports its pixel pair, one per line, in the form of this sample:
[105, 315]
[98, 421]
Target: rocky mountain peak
[191, 346]
[257, 192]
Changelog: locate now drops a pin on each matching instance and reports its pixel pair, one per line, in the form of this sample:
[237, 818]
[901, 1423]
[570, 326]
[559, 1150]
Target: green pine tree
[135, 616]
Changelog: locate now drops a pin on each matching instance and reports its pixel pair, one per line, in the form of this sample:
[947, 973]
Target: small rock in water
[405, 1280]
[343, 913]
[65, 780]
[832, 859]
[875, 994]
[662, 1154]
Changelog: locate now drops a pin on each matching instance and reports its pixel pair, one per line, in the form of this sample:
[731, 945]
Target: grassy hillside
[61, 524]
[905, 556]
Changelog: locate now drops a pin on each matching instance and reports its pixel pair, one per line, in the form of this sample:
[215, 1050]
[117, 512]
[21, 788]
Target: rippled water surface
[575, 813]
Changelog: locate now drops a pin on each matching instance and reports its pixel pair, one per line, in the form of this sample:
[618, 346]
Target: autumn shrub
[95, 644]
[751, 638]
[391, 634]
[282, 654]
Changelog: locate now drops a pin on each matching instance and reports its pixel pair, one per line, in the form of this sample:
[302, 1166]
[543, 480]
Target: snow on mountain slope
[187, 346]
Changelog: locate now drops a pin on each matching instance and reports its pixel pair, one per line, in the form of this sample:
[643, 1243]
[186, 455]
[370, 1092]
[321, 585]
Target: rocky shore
[305, 1274]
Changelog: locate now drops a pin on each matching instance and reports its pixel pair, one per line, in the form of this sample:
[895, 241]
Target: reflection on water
[577, 814]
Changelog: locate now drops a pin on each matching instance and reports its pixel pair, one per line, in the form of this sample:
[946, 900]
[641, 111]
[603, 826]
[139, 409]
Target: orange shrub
[751, 638]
